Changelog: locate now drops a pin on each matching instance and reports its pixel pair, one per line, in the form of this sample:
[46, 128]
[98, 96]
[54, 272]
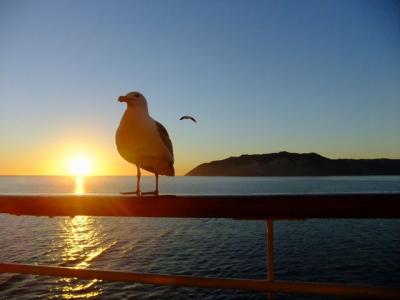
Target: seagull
[189, 118]
[143, 141]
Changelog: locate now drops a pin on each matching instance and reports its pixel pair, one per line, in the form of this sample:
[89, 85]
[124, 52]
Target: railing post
[270, 253]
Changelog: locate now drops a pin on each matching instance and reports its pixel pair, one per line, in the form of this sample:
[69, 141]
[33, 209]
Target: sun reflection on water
[81, 242]
[79, 185]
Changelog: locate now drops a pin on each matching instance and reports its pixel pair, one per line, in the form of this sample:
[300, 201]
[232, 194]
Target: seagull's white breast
[139, 142]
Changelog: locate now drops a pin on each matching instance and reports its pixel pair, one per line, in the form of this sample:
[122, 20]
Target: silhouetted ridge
[295, 164]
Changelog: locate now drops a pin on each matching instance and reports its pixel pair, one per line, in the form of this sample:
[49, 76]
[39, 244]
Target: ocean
[342, 251]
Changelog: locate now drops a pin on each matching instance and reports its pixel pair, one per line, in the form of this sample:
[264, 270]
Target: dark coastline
[295, 164]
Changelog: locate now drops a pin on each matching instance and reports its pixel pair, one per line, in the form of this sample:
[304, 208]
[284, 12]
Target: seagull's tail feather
[170, 171]
[167, 170]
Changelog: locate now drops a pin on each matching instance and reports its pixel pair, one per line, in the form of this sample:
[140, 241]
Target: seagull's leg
[138, 175]
[156, 191]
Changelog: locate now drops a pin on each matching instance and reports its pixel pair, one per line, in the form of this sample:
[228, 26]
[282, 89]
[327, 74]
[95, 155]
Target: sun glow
[80, 166]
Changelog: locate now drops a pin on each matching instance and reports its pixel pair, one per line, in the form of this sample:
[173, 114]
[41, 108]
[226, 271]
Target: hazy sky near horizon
[260, 77]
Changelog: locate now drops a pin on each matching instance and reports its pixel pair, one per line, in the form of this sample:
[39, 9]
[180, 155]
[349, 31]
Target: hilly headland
[295, 164]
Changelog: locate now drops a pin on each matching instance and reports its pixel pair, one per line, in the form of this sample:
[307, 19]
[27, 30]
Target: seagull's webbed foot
[155, 193]
[137, 193]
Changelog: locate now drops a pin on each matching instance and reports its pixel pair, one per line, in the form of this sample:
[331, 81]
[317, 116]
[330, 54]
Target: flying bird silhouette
[188, 118]
[143, 141]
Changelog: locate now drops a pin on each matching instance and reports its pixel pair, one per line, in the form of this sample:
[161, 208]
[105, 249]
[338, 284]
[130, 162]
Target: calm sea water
[352, 251]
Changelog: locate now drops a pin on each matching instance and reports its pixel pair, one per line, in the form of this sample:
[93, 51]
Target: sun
[80, 166]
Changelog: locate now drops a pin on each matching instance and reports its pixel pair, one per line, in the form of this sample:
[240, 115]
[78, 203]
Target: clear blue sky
[260, 76]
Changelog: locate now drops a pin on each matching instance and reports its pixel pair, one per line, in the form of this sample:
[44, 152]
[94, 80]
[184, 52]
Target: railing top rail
[291, 206]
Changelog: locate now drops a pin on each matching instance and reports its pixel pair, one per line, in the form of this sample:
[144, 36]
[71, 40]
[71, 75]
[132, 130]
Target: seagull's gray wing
[165, 137]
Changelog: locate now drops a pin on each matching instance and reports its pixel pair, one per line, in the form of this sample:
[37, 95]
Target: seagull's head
[134, 100]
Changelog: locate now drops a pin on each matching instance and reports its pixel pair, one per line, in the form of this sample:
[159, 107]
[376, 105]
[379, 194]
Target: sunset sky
[259, 76]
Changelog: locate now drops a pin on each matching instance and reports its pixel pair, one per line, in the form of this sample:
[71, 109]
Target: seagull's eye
[137, 95]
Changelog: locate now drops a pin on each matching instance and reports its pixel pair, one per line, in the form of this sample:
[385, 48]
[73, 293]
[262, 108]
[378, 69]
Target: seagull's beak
[122, 99]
